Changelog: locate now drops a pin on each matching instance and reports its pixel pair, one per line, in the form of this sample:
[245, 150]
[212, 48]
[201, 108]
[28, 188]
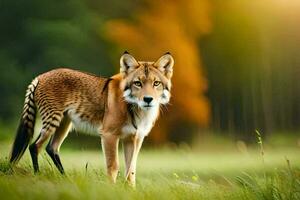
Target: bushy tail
[26, 127]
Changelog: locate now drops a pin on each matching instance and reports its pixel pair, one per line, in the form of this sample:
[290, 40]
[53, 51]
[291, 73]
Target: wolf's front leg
[132, 146]
[110, 149]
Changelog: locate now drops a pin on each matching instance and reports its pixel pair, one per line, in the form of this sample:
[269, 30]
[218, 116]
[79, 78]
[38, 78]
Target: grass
[178, 173]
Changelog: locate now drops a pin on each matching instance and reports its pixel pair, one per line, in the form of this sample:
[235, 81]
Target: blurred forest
[237, 63]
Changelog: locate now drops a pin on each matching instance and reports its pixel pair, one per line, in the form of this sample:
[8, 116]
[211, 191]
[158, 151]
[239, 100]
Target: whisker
[161, 110]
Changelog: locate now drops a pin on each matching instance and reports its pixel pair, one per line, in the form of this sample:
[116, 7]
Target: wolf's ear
[127, 63]
[165, 65]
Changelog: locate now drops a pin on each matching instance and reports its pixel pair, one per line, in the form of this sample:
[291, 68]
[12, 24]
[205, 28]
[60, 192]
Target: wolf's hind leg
[48, 128]
[56, 141]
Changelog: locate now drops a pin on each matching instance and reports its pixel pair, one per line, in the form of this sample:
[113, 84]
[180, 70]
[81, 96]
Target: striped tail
[26, 127]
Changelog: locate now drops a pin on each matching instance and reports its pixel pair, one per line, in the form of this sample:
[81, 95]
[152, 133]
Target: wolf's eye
[137, 83]
[156, 83]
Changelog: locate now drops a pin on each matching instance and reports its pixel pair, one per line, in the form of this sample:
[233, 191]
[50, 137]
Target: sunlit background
[237, 63]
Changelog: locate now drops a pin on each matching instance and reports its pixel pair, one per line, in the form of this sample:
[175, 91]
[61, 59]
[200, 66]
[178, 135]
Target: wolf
[122, 107]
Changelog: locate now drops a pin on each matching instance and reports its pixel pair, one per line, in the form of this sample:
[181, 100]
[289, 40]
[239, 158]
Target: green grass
[178, 173]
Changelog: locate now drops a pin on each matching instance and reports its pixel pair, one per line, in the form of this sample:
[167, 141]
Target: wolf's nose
[148, 99]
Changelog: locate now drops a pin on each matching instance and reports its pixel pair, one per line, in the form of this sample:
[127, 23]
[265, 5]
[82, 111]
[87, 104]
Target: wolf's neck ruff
[141, 120]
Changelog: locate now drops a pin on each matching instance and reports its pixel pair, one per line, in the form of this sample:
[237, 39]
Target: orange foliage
[174, 26]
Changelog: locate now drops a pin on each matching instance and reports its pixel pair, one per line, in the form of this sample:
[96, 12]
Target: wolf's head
[146, 84]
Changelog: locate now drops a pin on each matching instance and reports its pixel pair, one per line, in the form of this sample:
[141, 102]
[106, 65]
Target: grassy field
[178, 173]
